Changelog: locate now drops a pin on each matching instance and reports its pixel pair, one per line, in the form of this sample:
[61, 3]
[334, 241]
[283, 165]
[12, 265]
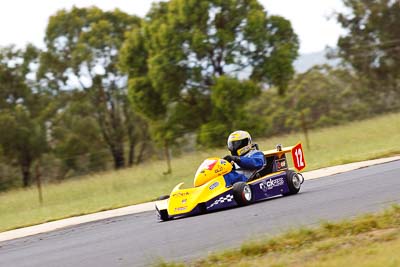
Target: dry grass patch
[371, 239]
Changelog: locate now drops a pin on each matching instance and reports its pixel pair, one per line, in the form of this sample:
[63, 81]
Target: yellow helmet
[239, 143]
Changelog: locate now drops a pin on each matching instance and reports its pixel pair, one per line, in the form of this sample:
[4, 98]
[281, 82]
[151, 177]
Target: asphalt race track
[139, 240]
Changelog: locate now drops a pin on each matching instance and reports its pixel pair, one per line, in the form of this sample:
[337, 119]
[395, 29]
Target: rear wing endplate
[296, 151]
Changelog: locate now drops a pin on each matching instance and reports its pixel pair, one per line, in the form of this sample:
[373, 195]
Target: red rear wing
[297, 155]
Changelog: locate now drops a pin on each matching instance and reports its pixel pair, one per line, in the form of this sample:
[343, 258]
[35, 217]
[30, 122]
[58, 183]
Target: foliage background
[111, 90]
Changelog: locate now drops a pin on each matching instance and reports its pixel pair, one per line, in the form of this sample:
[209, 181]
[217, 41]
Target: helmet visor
[233, 146]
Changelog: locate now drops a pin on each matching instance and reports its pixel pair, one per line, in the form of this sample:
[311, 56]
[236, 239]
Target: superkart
[211, 193]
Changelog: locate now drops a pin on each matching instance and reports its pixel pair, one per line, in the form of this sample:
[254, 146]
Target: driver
[245, 155]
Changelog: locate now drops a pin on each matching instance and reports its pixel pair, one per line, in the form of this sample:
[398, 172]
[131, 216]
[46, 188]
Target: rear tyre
[294, 181]
[242, 193]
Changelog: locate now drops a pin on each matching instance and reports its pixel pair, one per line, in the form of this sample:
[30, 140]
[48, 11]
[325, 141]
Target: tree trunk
[39, 183]
[109, 120]
[118, 155]
[141, 152]
[26, 173]
[131, 158]
[167, 157]
[305, 129]
[130, 128]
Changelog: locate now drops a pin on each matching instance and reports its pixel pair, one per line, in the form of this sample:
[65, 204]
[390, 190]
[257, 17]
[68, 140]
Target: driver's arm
[256, 161]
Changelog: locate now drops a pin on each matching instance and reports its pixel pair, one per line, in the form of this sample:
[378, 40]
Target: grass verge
[369, 139]
[369, 240]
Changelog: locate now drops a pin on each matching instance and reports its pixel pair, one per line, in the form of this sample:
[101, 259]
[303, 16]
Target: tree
[76, 141]
[82, 49]
[322, 96]
[176, 57]
[371, 47]
[229, 97]
[22, 110]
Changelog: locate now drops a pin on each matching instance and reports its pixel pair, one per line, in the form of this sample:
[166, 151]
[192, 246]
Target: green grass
[370, 240]
[369, 139]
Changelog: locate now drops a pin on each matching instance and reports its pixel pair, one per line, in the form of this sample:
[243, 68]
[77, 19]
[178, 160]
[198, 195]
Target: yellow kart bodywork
[208, 183]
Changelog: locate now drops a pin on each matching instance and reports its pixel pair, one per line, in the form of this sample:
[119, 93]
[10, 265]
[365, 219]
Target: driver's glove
[231, 158]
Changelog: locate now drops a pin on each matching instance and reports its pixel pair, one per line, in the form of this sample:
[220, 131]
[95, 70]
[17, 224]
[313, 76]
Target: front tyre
[242, 193]
[294, 181]
[162, 214]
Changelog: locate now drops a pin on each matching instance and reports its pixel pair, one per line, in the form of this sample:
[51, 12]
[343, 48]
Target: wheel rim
[247, 193]
[296, 181]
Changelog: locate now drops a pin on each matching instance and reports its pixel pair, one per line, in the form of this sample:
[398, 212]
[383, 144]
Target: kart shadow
[233, 207]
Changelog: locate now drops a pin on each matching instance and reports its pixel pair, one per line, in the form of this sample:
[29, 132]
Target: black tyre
[294, 181]
[242, 193]
[202, 208]
[163, 215]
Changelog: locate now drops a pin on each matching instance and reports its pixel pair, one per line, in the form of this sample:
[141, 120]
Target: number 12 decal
[298, 157]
